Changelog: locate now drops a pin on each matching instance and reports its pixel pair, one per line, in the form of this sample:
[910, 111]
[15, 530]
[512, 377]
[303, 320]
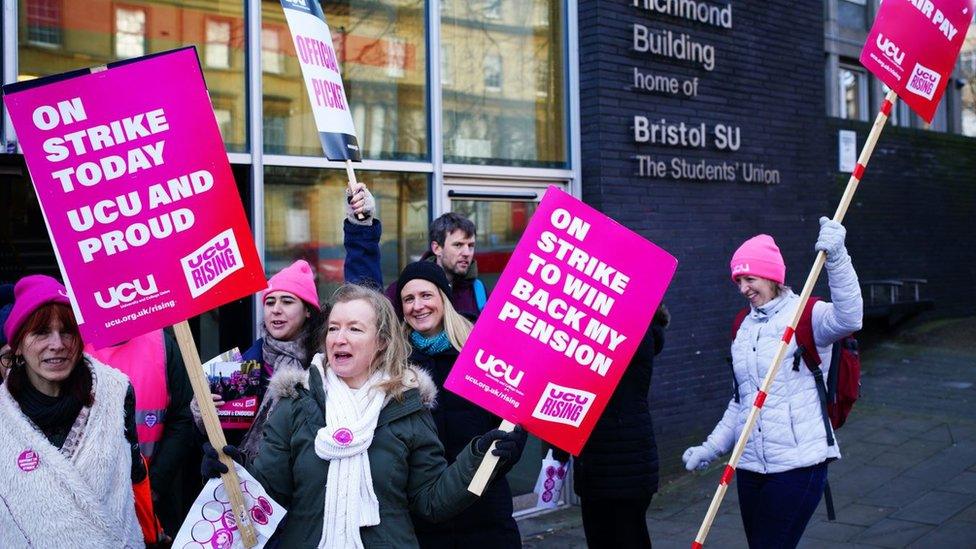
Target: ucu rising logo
[206, 266]
[126, 292]
[740, 268]
[563, 405]
[890, 50]
[498, 368]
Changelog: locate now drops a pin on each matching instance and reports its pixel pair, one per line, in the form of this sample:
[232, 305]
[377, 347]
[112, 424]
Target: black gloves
[509, 447]
[211, 467]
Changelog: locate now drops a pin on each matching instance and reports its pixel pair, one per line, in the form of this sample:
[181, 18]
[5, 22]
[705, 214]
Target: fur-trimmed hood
[285, 383]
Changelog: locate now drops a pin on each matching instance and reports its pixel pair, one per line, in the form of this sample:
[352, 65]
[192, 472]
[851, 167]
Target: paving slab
[858, 514]
[956, 534]
[935, 507]
[893, 533]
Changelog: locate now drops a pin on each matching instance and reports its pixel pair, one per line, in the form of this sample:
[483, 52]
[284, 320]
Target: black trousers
[616, 523]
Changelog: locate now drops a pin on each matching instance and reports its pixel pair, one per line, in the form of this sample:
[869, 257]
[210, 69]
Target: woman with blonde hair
[437, 332]
[351, 450]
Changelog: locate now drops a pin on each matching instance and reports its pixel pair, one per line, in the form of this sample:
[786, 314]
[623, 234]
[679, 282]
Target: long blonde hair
[393, 347]
[456, 326]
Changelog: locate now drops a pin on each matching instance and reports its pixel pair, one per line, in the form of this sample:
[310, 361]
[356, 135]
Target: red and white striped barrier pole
[845, 202]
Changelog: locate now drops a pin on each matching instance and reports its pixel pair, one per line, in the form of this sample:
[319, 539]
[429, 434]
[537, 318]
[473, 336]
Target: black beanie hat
[424, 270]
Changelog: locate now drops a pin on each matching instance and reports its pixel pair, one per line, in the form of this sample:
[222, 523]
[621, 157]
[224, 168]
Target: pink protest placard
[913, 46]
[137, 193]
[563, 321]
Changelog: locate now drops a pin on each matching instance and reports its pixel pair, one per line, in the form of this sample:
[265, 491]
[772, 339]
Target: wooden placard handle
[351, 175]
[201, 391]
[487, 467]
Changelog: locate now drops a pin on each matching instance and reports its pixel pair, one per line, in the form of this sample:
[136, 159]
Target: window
[275, 134]
[225, 122]
[493, 9]
[493, 72]
[381, 46]
[519, 90]
[396, 56]
[44, 22]
[56, 36]
[447, 64]
[217, 48]
[542, 79]
[967, 62]
[272, 58]
[853, 93]
[130, 32]
[304, 209]
[852, 14]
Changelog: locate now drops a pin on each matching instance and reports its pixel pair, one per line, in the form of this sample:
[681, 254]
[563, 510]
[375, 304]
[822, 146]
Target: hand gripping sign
[562, 323]
[913, 46]
[140, 203]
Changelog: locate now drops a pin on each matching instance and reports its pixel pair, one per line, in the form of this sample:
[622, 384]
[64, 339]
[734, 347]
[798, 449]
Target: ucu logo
[213, 250]
[127, 292]
[740, 268]
[556, 394]
[302, 3]
[890, 50]
[498, 368]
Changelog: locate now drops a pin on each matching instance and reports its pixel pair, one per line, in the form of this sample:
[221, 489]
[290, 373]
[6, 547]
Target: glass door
[500, 212]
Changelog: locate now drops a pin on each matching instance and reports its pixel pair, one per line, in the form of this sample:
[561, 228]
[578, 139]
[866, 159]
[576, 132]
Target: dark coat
[620, 460]
[406, 460]
[489, 520]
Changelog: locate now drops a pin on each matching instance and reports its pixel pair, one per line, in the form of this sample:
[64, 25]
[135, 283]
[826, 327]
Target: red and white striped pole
[845, 202]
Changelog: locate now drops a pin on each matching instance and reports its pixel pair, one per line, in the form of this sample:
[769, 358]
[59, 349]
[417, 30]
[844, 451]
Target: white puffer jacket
[790, 431]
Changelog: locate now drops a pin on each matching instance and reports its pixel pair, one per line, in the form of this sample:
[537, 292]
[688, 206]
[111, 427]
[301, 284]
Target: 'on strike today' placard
[137, 193]
[563, 321]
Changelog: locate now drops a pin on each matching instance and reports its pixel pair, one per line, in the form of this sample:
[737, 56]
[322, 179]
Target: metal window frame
[8, 49]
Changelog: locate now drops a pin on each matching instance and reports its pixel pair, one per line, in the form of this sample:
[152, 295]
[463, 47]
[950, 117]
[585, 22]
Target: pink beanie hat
[295, 279]
[759, 256]
[30, 293]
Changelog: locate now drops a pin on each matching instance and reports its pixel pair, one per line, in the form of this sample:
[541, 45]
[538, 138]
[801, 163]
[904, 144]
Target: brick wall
[768, 79]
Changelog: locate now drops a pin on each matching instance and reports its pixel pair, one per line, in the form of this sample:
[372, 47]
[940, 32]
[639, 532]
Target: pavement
[907, 477]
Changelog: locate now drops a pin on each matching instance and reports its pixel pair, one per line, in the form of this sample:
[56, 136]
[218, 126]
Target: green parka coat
[406, 461]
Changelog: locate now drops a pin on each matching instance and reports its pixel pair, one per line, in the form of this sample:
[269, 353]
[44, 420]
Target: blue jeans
[777, 507]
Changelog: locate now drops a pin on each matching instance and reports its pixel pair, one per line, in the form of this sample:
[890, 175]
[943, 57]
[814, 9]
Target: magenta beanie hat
[296, 279]
[759, 256]
[30, 293]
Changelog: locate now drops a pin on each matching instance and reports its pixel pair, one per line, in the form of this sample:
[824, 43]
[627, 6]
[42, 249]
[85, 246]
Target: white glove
[360, 201]
[698, 458]
[831, 239]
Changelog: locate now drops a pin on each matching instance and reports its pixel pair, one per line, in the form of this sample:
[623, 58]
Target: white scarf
[350, 419]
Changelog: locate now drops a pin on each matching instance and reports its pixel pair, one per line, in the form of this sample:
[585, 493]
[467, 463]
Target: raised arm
[845, 312]
[361, 239]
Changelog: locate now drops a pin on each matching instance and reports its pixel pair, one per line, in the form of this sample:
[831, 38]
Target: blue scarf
[430, 345]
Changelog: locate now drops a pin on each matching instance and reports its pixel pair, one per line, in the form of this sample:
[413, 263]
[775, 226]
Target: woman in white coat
[69, 455]
[783, 471]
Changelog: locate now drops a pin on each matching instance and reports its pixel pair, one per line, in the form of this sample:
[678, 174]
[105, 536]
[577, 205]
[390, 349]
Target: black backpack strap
[822, 394]
[829, 501]
[735, 382]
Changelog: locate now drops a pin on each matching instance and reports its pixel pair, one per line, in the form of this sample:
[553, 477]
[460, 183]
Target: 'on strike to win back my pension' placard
[563, 321]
